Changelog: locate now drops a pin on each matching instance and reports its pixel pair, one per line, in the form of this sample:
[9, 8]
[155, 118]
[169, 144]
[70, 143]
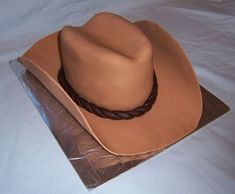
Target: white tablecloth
[31, 160]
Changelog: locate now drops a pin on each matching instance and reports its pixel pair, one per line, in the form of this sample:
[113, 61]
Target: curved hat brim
[174, 115]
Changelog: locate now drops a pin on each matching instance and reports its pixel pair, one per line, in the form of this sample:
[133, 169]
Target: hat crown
[108, 62]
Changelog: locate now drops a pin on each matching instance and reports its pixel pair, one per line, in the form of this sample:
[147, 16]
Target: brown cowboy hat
[130, 85]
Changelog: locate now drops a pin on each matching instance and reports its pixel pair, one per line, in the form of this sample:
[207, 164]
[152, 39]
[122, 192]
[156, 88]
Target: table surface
[31, 161]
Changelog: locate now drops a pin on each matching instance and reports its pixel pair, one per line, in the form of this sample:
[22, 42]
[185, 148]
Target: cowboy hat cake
[130, 85]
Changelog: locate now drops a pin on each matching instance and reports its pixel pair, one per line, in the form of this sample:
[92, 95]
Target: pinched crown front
[108, 61]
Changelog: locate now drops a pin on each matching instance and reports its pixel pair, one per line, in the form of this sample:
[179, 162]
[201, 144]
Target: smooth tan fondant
[110, 61]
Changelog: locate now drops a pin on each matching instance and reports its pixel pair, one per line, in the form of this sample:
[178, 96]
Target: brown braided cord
[103, 112]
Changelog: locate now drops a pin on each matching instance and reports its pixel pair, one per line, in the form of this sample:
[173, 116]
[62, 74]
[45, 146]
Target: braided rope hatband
[103, 112]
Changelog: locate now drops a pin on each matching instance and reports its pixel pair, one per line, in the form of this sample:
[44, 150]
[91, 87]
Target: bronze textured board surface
[93, 164]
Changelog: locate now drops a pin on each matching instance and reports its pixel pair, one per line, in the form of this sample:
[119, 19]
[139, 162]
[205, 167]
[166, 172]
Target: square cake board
[93, 163]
